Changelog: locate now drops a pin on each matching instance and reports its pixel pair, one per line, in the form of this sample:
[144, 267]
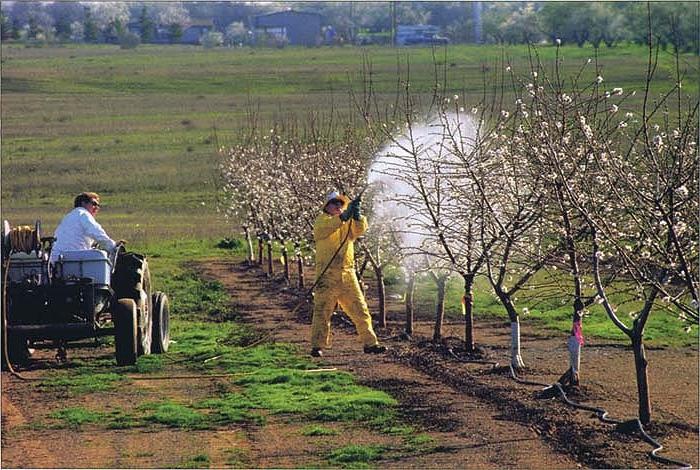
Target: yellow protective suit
[339, 283]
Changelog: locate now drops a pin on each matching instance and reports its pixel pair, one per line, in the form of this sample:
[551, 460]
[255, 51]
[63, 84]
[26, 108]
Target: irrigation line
[602, 415]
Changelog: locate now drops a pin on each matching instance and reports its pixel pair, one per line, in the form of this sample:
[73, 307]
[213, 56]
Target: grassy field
[141, 126]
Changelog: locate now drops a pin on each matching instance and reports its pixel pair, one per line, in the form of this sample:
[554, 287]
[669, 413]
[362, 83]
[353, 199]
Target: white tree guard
[516, 359]
[574, 347]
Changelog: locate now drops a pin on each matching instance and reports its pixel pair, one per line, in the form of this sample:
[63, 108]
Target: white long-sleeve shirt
[78, 231]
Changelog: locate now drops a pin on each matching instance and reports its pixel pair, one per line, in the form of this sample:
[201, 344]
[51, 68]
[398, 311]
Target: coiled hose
[23, 238]
[602, 415]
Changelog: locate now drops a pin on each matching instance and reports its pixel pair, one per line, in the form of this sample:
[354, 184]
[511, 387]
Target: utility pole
[393, 23]
[351, 32]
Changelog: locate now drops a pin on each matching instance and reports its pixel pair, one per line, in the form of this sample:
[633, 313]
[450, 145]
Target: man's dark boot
[376, 349]
[316, 352]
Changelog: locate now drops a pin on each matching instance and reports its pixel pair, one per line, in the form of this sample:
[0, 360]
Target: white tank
[84, 263]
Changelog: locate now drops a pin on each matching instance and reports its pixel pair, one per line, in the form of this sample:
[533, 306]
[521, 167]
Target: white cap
[333, 195]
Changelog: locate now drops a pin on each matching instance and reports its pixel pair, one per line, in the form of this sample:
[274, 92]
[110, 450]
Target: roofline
[289, 11]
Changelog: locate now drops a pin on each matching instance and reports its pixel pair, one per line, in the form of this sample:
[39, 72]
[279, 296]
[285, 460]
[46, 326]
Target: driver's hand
[121, 242]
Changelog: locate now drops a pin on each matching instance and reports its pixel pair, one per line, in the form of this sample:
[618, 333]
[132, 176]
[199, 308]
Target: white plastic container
[84, 263]
[24, 267]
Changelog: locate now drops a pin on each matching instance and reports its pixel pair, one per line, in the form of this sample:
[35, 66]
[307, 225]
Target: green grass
[77, 416]
[198, 461]
[82, 381]
[137, 125]
[317, 430]
[663, 328]
[356, 456]
[237, 458]
[174, 415]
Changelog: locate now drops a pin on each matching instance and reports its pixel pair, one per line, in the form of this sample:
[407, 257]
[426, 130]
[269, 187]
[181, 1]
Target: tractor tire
[160, 339]
[125, 331]
[132, 279]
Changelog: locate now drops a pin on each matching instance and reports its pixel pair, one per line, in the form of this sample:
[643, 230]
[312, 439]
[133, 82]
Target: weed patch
[237, 458]
[174, 415]
[86, 380]
[354, 456]
[419, 443]
[76, 417]
[198, 461]
[321, 396]
[149, 364]
[316, 430]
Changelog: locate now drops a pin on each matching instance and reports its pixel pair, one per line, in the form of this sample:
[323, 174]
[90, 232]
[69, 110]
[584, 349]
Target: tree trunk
[439, 308]
[270, 269]
[285, 260]
[249, 245]
[516, 359]
[574, 344]
[260, 251]
[379, 273]
[381, 293]
[468, 305]
[300, 266]
[410, 290]
[640, 364]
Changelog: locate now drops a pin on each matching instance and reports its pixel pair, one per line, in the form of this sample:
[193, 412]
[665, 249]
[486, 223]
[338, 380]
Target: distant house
[296, 27]
[193, 33]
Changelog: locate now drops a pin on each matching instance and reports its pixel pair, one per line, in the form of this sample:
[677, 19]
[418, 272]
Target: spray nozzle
[359, 196]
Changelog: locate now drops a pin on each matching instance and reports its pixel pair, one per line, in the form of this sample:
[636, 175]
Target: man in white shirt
[79, 230]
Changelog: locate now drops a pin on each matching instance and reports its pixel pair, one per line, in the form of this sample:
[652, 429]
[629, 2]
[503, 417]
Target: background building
[295, 27]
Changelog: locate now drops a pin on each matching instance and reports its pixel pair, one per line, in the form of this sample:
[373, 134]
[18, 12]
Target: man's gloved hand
[347, 213]
[350, 210]
[356, 213]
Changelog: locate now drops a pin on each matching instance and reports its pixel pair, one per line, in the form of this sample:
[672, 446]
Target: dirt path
[478, 416]
[469, 430]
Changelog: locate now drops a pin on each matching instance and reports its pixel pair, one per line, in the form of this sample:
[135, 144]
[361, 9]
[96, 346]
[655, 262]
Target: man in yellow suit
[335, 231]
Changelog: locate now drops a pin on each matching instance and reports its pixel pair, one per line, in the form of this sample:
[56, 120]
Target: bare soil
[478, 415]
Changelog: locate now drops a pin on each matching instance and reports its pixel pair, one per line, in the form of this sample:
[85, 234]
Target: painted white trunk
[249, 242]
[574, 347]
[516, 359]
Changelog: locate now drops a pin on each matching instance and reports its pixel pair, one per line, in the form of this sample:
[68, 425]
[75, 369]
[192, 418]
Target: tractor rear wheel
[161, 323]
[132, 279]
[125, 331]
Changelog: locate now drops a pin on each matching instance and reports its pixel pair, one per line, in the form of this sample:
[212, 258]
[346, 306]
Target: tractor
[84, 294]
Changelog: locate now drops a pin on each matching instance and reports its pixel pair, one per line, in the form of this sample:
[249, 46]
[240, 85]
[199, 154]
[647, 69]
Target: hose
[5, 348]
[23, 238]
[602, 415]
